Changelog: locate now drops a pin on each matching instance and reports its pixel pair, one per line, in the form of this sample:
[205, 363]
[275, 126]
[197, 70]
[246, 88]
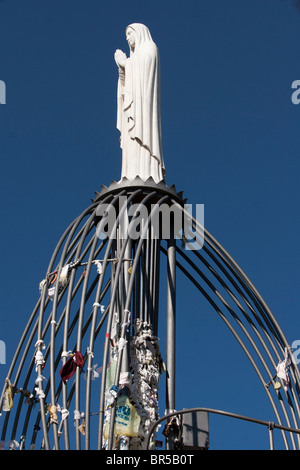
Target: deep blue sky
[231, 142]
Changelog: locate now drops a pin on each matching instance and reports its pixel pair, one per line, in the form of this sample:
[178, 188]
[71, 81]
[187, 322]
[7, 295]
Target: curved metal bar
[23, 358]
[87, 227]
[274, 334]
[235, 334]
[40, 340]
[24, 432]
[250, 322]
[233, 266]
[93, 335]
[245, 300]
[79, 335]
[243, 328]
[19, 347]
[4, 427]
[67, 331]
[72, 227]
[91, 289]
[274, 330]
[219, 412]
[266, 315]
[53, 321]
[236, 270]
[66, 336]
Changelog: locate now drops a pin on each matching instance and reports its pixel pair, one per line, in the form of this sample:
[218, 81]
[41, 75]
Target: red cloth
[68, 369]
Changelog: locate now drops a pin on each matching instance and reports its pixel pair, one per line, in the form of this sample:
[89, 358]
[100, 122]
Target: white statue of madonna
[138, 114]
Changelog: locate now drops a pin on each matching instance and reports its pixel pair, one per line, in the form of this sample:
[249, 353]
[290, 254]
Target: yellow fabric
[53, 413]
[8, 400]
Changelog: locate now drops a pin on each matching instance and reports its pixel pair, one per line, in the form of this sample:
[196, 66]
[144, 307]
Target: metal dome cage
[104, 290]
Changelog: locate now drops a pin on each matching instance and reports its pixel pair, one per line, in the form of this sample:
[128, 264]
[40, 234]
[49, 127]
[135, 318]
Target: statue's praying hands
[120, 58]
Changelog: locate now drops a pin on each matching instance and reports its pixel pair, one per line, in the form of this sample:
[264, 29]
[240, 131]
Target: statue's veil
[142, 35]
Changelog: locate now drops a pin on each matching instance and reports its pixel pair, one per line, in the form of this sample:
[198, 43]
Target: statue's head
[130, 37]
[137, 34]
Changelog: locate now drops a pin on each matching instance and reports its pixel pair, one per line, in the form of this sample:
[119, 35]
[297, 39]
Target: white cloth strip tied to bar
[39, 359]
[89, 352]
[102, 308]
[12, 444]
[64, 275]
[64, 411]
[94, 374]
[40, 379]
[78, 414]
[41, 343]
[63, 278]
[40, 393]
[127, 323]
[111, 395]
[42, 284]
[121, 344]
[99, 266]
[66, 353]
[283, 369]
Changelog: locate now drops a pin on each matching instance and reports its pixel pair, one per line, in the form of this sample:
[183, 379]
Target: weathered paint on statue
[139, 108]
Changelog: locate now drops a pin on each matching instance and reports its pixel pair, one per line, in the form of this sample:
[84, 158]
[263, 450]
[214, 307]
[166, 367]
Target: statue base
[137, 183]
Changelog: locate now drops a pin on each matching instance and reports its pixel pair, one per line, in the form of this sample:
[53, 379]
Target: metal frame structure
[90, 304]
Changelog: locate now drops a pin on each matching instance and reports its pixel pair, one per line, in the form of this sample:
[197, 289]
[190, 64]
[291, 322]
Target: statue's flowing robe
[138, 117]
